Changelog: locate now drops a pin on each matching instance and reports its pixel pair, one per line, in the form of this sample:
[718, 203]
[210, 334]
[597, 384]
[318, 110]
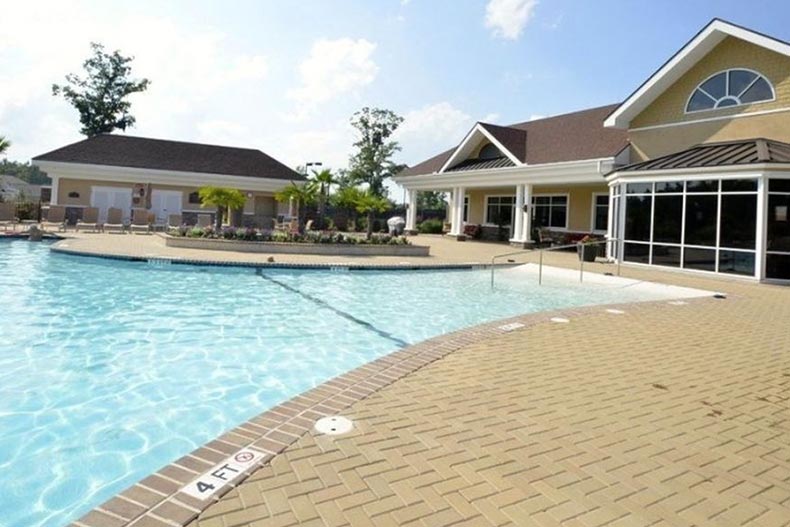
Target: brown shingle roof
[514, 139]
[729, 153]
[569, 137]
[159, 154]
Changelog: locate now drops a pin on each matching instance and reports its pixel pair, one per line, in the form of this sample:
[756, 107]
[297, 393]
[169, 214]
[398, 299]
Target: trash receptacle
[396, 225]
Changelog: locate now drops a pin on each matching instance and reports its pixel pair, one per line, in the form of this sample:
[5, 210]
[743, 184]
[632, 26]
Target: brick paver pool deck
[664, 414]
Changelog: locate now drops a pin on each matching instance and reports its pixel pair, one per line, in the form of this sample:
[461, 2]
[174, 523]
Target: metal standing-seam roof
[729, 153]
[482, 164]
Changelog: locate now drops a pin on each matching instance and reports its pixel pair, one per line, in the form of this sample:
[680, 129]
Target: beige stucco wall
[646, 144]
[83, 188]
[579, 202]
[670, 106]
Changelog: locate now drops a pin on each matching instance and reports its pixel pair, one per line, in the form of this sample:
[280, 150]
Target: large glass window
[709, 225]
[669, 212]
[600, 212]
[701, 213]
[499, 210]
[730, 88]
[638, 212]
[777, 258]
[550, 211]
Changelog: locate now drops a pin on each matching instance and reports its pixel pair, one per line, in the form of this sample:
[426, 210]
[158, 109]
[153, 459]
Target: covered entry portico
[510, 204]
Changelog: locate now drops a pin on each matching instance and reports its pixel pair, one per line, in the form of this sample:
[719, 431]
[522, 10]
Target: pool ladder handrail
[555, 248]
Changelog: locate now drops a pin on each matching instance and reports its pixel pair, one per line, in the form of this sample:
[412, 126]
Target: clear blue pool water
[110, 370]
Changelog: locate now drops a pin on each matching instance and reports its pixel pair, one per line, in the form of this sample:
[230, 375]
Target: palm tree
[324, 179]
[4, 144]
[225, 199]
[300, 195]
[369, 203]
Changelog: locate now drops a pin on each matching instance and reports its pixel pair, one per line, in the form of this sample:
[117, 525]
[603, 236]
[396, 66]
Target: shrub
[432, 226]
[253, 235]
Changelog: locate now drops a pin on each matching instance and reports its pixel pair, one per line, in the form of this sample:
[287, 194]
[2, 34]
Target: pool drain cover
[334, 425]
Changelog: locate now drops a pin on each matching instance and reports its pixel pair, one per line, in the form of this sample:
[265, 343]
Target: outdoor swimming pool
[110, 369]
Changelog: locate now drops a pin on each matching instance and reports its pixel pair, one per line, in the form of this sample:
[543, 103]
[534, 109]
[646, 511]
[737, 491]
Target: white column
[527, 218]
[609, 223]
[451, 218]
[458, 212]
[518, 216]
[55, 187]
[762, 224]
[411, 211]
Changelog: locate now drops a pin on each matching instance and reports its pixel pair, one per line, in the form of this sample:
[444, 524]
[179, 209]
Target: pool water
[110, 370]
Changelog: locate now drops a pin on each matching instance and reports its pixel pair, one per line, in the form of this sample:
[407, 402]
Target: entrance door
[164, 203]
[104, 198]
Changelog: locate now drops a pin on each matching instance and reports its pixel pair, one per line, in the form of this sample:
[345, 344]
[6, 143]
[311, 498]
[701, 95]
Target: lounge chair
[174, 221]
[8, 215]
[156, 224]
[89, 221]
[203, 220]
[56, 218]
[114, 221]
[140, 221]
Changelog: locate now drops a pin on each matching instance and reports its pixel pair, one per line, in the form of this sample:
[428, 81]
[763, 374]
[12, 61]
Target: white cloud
[492, 118]
[434, 123]
[191, 67]
[508, 18]
[536, 116]
[334, 67]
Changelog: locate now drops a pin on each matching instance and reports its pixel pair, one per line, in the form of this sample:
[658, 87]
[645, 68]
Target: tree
[430, 200]
[301, 195]
[324, 181]
[4, 144]
[369, 203]
[24, 171]
[225, 199]
[372, 163]
[101, 98]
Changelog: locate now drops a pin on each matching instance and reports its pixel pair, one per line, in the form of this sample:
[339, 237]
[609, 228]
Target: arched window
[489, 151]
[730, 88]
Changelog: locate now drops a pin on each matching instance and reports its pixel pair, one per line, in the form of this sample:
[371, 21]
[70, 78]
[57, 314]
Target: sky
[286, 76]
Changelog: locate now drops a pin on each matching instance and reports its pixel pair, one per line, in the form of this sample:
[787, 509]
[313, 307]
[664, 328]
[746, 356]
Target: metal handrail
[556, 248]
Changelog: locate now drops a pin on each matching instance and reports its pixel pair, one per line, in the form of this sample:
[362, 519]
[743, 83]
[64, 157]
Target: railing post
[492, 271]
[540, 268]
[581, 265]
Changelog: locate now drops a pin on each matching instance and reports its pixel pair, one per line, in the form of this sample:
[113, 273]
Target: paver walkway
[663, 415]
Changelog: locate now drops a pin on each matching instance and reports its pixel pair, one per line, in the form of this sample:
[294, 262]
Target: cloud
[508, 18]
[431, 128]
[333, 68]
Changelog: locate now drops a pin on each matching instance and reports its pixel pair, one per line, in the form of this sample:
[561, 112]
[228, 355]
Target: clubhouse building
[691, 171]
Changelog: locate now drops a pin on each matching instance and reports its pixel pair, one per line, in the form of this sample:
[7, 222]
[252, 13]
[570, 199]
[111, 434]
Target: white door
[164, 203]
[104, 198]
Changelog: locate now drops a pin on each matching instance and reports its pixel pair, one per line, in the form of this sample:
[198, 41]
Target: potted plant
[587, 248]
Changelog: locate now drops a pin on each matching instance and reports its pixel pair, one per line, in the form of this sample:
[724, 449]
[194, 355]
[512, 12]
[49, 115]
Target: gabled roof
[158, 154]
[513, 139]
[729, 153]
[570, 137]
[682, 61]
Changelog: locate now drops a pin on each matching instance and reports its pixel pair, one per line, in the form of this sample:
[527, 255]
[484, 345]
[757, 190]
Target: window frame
[487, 223]
[727, 95]
[567, 197]
[717, 248]
[594, 210]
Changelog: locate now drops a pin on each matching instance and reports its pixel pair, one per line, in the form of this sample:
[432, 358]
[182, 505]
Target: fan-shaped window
[730, 88]
[489, 151]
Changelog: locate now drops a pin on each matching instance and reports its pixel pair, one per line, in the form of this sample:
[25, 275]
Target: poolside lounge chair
[8, 215]
[156, 224]
[203, 220]
[89, 221]
[174, 221]
[140, 221]
[114, 221]
[56, 218]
